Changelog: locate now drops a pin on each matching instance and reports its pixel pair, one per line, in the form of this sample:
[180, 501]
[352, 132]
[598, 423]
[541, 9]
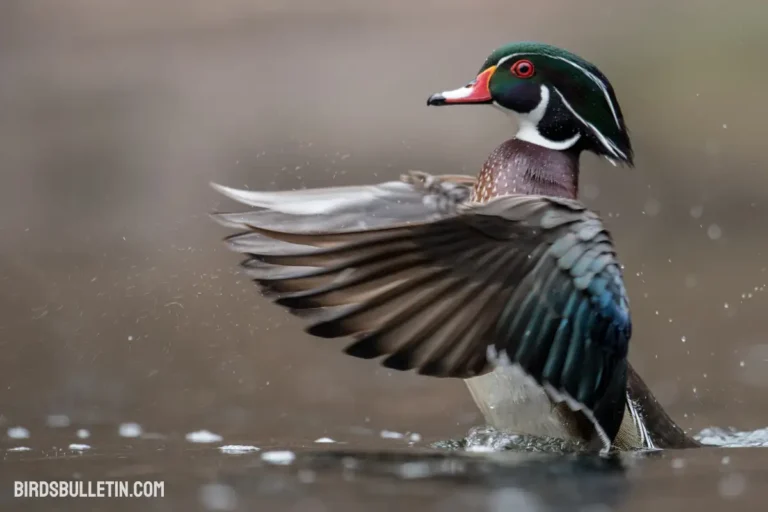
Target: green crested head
[560, 100]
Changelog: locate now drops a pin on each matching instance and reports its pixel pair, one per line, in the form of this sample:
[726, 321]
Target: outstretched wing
[450, 291]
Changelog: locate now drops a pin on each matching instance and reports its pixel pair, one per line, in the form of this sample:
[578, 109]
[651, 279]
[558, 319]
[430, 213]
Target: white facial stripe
[529, 125]
[586, 72]
[607, 143]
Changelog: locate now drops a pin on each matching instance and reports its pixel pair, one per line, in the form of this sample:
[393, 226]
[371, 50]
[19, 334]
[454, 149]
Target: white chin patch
[529, 126]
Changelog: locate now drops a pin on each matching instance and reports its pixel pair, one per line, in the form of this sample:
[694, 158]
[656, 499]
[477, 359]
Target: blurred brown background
[119, 303]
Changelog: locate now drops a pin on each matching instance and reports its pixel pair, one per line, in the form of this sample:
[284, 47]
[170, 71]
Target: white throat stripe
[528, 129]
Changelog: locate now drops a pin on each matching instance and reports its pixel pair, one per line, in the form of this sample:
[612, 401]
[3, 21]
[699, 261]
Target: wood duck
[505, 280]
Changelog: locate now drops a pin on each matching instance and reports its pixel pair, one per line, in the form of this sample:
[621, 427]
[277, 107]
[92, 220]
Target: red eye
[522, 69]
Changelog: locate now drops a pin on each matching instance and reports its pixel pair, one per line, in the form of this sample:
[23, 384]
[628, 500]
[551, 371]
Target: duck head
[561, 101]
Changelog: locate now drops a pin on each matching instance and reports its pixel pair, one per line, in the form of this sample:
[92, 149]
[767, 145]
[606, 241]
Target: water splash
[488, 439]
[238, 449]
[732, 438]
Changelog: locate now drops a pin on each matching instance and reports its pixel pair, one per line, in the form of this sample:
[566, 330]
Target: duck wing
[415, 273]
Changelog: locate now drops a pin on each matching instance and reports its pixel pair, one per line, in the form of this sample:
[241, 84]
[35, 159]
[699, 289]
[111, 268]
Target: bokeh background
[118, 302]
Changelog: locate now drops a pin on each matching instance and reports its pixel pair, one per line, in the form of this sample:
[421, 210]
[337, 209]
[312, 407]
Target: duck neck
[521, 167]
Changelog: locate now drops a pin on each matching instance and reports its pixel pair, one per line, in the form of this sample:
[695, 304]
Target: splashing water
[732, 438]
[488, 439]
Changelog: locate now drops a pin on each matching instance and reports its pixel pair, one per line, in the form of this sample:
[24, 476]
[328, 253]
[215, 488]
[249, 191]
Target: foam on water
[238, 449]
[732, 438]
[488, 439]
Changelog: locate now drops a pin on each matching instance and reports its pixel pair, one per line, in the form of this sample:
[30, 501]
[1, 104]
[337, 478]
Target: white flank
[502, 359]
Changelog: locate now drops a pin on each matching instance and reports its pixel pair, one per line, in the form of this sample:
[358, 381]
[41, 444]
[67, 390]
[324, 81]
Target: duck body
[505, 281]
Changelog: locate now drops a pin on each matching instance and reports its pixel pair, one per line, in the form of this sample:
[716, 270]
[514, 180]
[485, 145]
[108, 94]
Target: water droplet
[279, 457]
[18, 433]
[219, 497]
[203, 436]
[129, 430]
[714, 232]
[732, 485]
